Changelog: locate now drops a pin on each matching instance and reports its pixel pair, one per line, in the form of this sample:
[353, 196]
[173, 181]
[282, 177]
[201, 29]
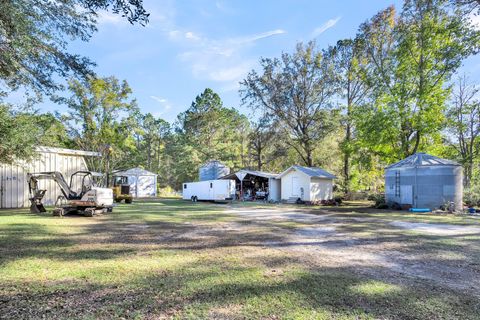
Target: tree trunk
[149, 156]
[468, 173]
[346, 159]
[309, 160]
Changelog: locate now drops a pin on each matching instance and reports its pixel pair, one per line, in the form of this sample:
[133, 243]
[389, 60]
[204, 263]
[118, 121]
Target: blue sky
[191, 45]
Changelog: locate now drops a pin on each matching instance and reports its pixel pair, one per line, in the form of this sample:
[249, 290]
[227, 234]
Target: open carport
[255, 185]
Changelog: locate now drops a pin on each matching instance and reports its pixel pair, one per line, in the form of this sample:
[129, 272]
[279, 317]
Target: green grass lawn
[149, 260]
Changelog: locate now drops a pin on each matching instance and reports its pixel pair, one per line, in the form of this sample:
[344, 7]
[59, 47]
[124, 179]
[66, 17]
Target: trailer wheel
[192, 198]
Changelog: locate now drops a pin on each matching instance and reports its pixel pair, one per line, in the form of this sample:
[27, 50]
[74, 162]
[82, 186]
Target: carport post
[241, 175]
[241, 190]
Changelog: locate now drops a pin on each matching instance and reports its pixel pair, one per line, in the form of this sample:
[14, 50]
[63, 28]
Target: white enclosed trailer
[210, 190]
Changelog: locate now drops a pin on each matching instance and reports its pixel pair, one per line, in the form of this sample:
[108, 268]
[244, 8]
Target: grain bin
[212, 170]
[424, 181]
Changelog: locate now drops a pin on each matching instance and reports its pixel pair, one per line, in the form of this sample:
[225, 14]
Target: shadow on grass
[192, 291]
[241, 292]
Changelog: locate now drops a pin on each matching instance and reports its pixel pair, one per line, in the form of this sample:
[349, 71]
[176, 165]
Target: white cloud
[324, 27]
[260, 36]
[475, 20]
[190, 35]
[174, 34]
[223, 7]
[230, 73]
[219, 60]
[158, 99]
[163, 102]
[104, 17]
[223, 60]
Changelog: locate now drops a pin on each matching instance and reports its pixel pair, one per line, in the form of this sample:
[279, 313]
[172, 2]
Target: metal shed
[424, 181]
[310, 184]
[13, 177]
[143, 183]
[212, 170]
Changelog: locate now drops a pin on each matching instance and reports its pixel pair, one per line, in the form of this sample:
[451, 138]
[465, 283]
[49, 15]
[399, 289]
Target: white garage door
[146, 186]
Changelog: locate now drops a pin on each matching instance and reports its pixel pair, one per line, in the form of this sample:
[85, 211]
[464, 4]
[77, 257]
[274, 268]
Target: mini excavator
[89, 200]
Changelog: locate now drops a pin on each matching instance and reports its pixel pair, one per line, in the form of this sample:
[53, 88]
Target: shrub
[378, 198]
[471, 196]
[330, 202]
[338, 200]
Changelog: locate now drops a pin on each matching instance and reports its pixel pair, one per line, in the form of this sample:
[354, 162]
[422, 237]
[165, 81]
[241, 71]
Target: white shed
[143, 183]
[307, 183]
[13, 178]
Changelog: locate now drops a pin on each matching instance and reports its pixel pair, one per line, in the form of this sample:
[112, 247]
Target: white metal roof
[67, 151]
[134, 172]
[250, 172]
[310, 171]
[422, 159]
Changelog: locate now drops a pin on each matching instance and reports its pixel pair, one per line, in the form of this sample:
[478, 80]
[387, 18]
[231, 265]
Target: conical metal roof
[421, 159]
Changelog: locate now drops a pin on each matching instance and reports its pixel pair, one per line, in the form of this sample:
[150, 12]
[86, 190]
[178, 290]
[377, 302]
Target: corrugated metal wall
[13, 178]
[425, 186]
[212, 170]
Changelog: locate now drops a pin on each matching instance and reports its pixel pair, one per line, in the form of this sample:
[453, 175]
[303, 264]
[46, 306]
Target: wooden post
[241, 191]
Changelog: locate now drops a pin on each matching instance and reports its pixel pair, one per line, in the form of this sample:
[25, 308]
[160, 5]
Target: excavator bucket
[37, 207]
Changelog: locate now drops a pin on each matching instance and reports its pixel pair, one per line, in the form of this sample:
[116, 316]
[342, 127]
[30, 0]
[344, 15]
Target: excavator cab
[84, 181]
[121, 189]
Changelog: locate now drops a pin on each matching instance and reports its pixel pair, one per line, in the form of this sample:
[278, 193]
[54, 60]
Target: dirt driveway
[173, 259]
[442, 255]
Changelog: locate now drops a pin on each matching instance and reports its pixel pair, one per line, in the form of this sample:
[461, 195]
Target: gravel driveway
[442, 254]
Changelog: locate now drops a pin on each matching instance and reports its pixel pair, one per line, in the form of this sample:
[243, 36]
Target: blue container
[419, 210]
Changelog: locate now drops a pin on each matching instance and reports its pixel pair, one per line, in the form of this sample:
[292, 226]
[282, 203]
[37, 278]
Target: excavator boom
[56, 176]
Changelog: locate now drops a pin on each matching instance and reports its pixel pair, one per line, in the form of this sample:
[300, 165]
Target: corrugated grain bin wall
[13, 178]
[212, 170]
[424, 181]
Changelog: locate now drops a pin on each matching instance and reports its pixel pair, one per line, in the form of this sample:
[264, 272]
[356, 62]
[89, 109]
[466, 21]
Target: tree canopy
[296, 90]
[34, 37]
[351, 108]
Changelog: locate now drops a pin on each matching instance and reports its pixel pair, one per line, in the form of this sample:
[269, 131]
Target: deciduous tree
[464, 125]
[412, 58]
[295, 91]
[98, 119]
[350, 61]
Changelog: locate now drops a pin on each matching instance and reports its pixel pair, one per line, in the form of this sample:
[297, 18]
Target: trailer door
[211, 191]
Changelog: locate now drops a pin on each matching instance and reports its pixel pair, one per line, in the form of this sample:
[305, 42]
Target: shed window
[185, 186]
[211, 185]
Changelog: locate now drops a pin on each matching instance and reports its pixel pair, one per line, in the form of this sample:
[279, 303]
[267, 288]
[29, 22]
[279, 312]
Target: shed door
[406, 194]
[146, 186]
[295, 187]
